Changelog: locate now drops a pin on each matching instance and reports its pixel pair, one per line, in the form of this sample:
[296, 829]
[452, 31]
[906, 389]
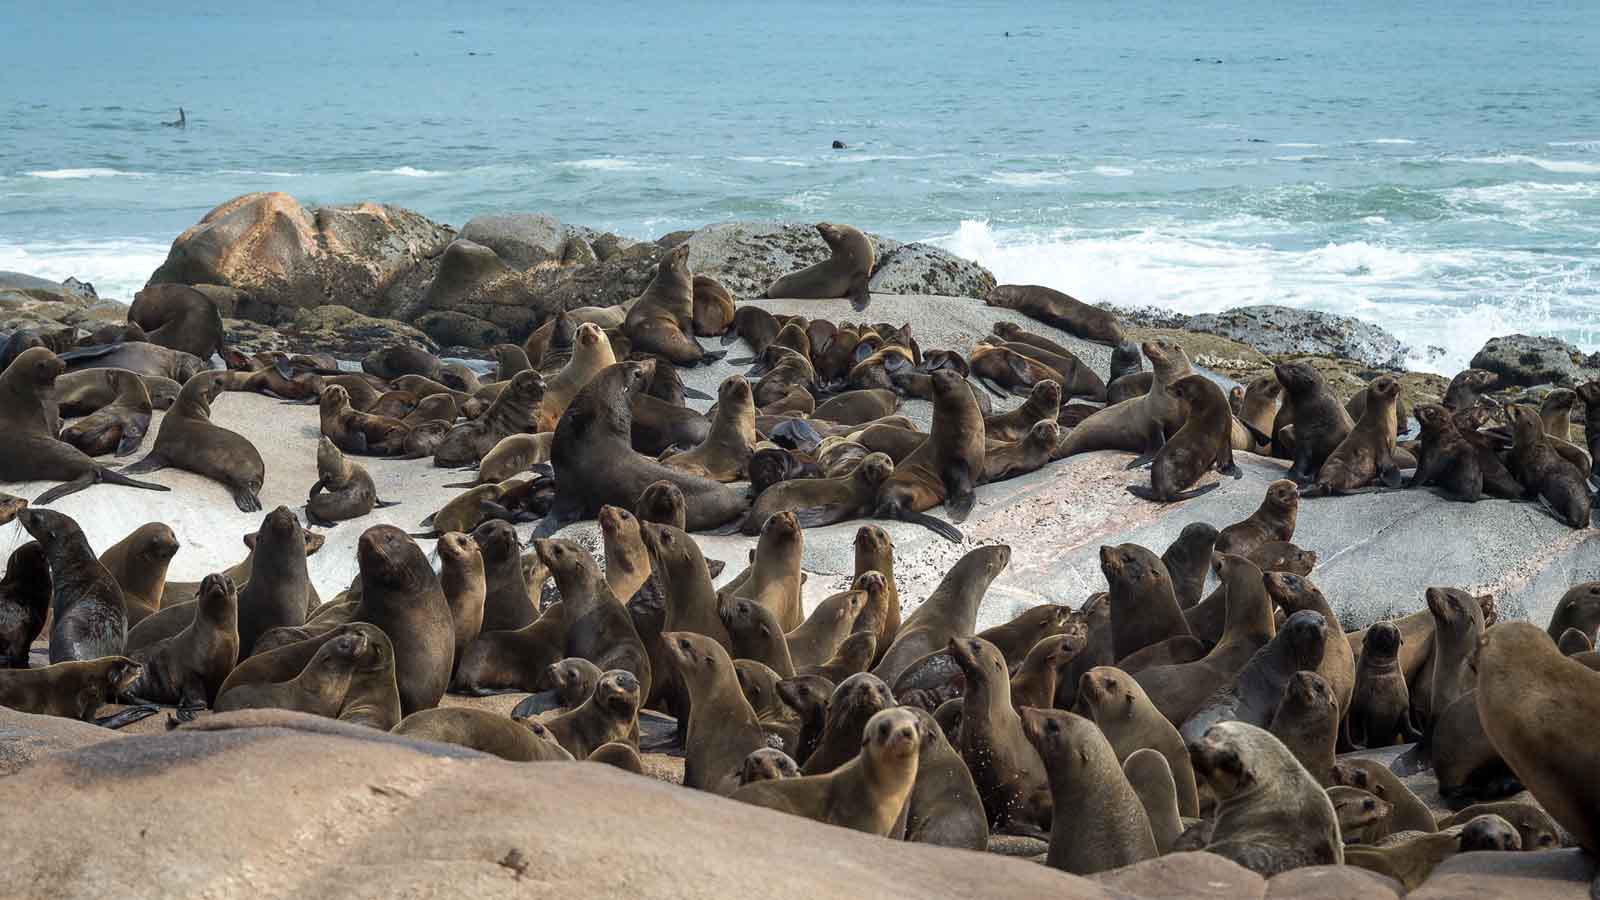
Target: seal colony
[1150, 717]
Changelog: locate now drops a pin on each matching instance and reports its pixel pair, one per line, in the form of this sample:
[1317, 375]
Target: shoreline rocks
[1279, 330]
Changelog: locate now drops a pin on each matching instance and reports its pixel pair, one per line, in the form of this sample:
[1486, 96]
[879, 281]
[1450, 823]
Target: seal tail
[128, 716]
[937, 526]
[385, 504]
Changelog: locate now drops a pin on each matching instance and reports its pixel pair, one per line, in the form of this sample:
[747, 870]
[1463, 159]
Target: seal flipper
[1260, 437]
[739, 360]
[1140, 462]
[706, 359]
[995, 389]
[693, 394]
[153, 462]
[384, 504]
[554, 521]
[245, 499]
[714, 567]
[961, 492]
[100, 475]
[314, 519]
[1389, 474]
[815, 516]
[322, 483]
[860, 296]
[729, 337]
[128, 716]
[534, 704]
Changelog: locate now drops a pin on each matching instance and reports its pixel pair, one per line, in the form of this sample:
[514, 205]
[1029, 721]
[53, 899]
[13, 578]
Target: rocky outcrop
[918, 268]
[41, 304]
[287, 257]
[1526, 361]
[345, 332]
[1275, 330]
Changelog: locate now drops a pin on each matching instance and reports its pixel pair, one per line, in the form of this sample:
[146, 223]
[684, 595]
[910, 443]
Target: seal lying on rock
[844, 274]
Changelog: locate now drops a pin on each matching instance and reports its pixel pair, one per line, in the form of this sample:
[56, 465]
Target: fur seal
[178, 317]
[1535, 826]
[74, 689]
[713, 307]
[1058, 310]
[1294, 592]
[853, 702]
[1202, 443]
[119, 426]
[399, 360]
[1004, 461]
[950, 611]
[595, 463]
[722, 727]
[140, 357]
[507, 603]
[1408, 813]
[1271, 815]
[774, 577]
[89, 617]
[591, 353]
[874, 552]
[275, 594]
[1151, 779]
[725, 453]
[187, 669]
[1144, 609]
[516, 740]
[343, 490]
[767, 764]
[318, 689]
[25, 594]
[1273, 520]
[1034, 681]
[610, 714]
[1578, 608]
[816, 639]
[1130, 425]
[857, 407]
[1112, 699]
[823, 501]
[139, 564]
[1188, 560]
[1307, 722]
[497, 661]
[1320, 420]
[512, 456]
[1367, 451]
[946, 468]
[1254, 694]
[679, 570]
[1458, 623]
[660, 321]
[1544, 473]
[29, 449]
[598, 627]
[1100, 822]
[944, 808]
[867, 793]
[1011, 778]
[188, 440]
[1043, 404]
[843, 274]
[513, 412]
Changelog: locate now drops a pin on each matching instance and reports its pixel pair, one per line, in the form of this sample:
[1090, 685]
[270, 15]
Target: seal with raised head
[513, 412]
[1307, 722]
[89, 617]
[1253, 696]
[722, 727]
[950, 611]
[1188, 559]
[598, 627]
[187, 669]
[275, 595]
[318, 689]
[1271, 815]
[1293, 592]
[1043, 404]
[660, 321]
[118, 426]
[843, 274]
[1144, 609]
[1367, 451]
[1011, 778]
[1544, 474]
[25, 594]
[725, 453]
[29, 448]
[1203, 443]
[1058, 310]
[946, 467]
[1130, 425]
[591, 353]
[1113, 700]
[188, 440]
[596, 465]
[139, 563]
[178, 317]
[1099, 823]
[508, 603]
[343, 490]
[1320, 420]
[609, 714]
[823, 501]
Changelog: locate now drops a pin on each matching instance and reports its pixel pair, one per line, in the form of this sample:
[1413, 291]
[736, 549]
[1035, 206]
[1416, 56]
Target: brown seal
[513, 412]
[867, 793]
[1144, 609]
[591, 353]
[1363, 818]
[139, 564]
[725, 453]
[754, 635]
[627, 557]
[1408, 812]
[439, 407]
[275, 595]
[1271, 816]
[755, 326]
[853, 702]
[661, 503]
[1034, 681]
[465, 511]
[596, 465]
[843, 274]
[1077, 378]
[1273, 520]
[1188, 559]
[1113, 700]
[767, 764]
[517, 740]
[1004, 461]
[814, 641]
[1535, 826]
[1560, 485]
[75, 689]
[508, 604]
[713, 307]
[854, 656]
[499, 661]
[774, 578]
[723, 729]
[400, 360]
[343, 490]
[1460, 462]
[374, 433]
[946, 468]
[1101, 824]
[1307, 722]
[1258, 409]
[779, 372]
[1320, 420]
[29, 449]
[1058, 310]
[856, 407]
[119, 426]
[874, 552]
[1016, 638]
[187, 669]
[683, 581]
[598, 627]
[318, 689]
[619, 755]
[950, 611]
[1007, 373]
[1578, 608]
[822, 501]
[1203, 443]
[88, 615]
[611, 713]
[180, 318]
[25, 594]
[1293, 592]
[660, 321]
[188, 440]
[1367, 452]
[1458, 623]
[1130, 425]
[1042, 405]
[1128, 378]
[1011, 778]
[944, 808]
[1151, 779]
[512, 456]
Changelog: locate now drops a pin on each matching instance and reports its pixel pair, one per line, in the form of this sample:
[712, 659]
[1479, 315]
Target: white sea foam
[1293, 145]
[1562, 166]
[116, 268]
[1401, 141]
[604, 164]
[407, 172]
[251, 173]
[76, 174]
[1451, 299]
[1027, 179]
[772, 161]
[1112, 171]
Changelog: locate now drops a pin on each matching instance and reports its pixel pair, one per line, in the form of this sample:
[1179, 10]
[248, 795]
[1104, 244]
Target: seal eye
[1053, 727]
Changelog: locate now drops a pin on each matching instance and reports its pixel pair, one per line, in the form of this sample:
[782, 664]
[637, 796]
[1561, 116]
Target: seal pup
[1320, 420]
[660, 321]
[950, 611]
[187, 669]
[1202, 443]
[1043, 404]
[318, 689]
[830, 623]
[815, 502]
[512, 456]
[944, 808]
[1560, 485]
[1188, 561]
[1130, 425]
[350, 493]
[1293, 592]
[851, 703]
[722, 727]
[29, 448]
[596, 465]
[89, 617]
[1367, 451]
[1100, 822]
[1113, 700]
[767, 764]
[1307, 722]
[188, 440]
[508, 602]
[610, 714]
[591, 353]
[598, 627]
[139, 563]
[75, 689]
[1408, 812]
[725, 453]
[25, 594]
[946, 467]
[1058, 310]
[1259, 686]
[515, 740]
[119, 426]
[10, 506]
[1144, 609]
[1271, 815]
[1273, 520]
[275, 594]
[1010, 775]
[843, 274]
[513, 412]
[866, 794]
[683, 581]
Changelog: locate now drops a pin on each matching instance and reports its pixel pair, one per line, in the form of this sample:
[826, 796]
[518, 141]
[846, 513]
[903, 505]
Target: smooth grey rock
[1283, 330]
[1523, 360]
[521, 240]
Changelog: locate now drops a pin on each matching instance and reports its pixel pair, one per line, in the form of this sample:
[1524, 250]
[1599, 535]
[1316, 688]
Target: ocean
[1432, 167]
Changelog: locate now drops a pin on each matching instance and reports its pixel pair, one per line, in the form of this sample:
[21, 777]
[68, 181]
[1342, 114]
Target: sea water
[1433, 167]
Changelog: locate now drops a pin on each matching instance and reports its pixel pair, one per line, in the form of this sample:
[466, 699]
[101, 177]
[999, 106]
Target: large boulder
[1275, 330]
[26, 738]
[287, 257]
[1520, 359]
[522, 240]
[919, 268]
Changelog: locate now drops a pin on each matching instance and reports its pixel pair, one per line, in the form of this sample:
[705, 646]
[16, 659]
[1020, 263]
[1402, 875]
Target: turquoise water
[1432, 167]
